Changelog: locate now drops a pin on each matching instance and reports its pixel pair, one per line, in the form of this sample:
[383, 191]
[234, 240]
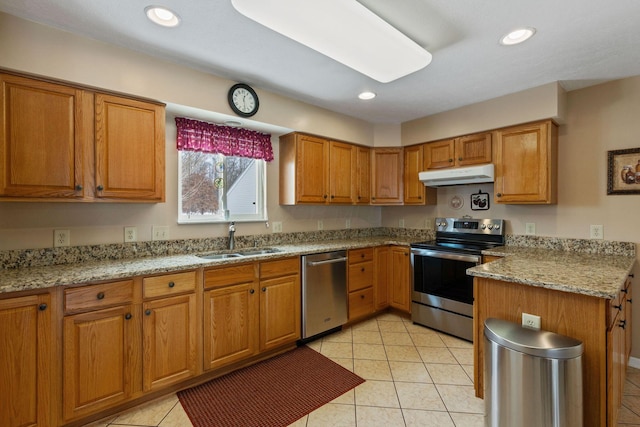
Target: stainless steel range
[442, 296]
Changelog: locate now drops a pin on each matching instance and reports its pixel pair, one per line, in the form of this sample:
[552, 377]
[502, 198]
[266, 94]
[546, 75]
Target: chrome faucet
[232, 240]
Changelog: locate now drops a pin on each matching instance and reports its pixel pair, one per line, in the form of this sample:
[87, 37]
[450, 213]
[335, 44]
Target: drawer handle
[361, 255]
[42, 307]
[362, 269]
[147, 312]
[362, 296]
[128, 316]
[100, 295]
[171, 284]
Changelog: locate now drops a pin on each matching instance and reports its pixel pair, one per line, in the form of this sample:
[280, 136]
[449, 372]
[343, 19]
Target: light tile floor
[415, 377]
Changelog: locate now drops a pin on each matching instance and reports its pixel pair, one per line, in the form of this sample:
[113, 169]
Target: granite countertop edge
[596, 275]
[44, 277]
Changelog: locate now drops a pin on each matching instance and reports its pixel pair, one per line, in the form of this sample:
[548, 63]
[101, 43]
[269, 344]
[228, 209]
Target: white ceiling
[578, 42]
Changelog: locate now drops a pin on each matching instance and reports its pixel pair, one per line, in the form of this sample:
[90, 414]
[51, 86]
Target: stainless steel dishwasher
[324, 292]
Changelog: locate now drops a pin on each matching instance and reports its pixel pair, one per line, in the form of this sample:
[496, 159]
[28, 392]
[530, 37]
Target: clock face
[243, 100]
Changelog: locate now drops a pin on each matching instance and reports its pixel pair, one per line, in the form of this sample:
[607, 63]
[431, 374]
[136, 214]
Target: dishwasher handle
[328, 261]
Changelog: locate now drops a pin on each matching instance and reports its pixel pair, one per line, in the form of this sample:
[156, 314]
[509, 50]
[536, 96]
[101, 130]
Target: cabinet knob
[362, 296]
[147, 312]
[359, 197]
[362, 269]
[459, 159]
[630, 300]
[251, 291]
[626, 291]
[632, 275]
[78, 187]
[361, 255]
[324, 196]
[619, 307]
[499, 195]
[264, 289]
[450, 160]
[171, 284]
[128, 316]
[420, 197]
[100, 295]
[623, 324]
[332, 196]
[42, 307]
[100, 188]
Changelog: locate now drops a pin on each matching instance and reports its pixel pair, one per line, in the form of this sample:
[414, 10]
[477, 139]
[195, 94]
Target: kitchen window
[214, 187]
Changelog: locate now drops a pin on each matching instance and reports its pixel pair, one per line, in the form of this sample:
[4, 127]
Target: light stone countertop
[597, 275]
[42, 277]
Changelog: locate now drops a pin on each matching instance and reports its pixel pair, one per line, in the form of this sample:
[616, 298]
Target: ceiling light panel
[343, 30]
[518, 36]
[162, 16]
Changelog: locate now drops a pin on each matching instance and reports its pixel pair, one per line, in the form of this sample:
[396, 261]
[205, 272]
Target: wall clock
[243, 100]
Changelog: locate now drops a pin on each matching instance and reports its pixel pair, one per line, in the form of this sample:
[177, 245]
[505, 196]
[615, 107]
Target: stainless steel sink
[248, 252]
[220, 256]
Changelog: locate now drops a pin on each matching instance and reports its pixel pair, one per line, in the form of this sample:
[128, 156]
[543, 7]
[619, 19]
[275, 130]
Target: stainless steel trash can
[532, 378]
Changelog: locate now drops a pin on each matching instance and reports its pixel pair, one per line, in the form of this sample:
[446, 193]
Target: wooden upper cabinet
[526, 164]
[462, 151]
[415, 193]
[363, 176]
[342, 167]
[60, 142]
[316, 170]
[386, 172]
[41, 143]
[129, 149]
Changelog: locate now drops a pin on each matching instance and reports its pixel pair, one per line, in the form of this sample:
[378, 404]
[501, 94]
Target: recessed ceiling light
[367, 95]
[162, 16]
[343, 30]
[517, 36]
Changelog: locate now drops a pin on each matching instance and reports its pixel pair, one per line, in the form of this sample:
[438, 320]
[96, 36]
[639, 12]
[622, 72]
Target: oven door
[439, 279]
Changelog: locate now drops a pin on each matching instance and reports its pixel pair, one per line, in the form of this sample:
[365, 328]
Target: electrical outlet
[597, 232]
[530, 228]
[320, 225]
[160, 232]
[401, 223]
[277, 227]
[130, 234]
[347, 223]
[530, 321]
[61, 238]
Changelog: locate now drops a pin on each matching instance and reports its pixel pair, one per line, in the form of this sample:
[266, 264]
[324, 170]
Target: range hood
[453, 176]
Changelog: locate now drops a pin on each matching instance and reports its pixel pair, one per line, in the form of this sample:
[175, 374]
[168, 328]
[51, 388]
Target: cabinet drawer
[361, 303]
[281, 267]
[360, 255]
[360, 275]
[225, 276]
[168, 284]
[98, 296]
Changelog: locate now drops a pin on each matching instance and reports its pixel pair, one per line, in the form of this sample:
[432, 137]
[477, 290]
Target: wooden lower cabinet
[382, 277]
[101, 359]
[25, 361]
[588, 319]
[279, 311]
[400, 284]
[360, 282]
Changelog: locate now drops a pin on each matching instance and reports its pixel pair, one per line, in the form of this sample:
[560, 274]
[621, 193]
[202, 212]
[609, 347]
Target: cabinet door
[363, 175]
[382, 277]
[615, 369]
[400, 286]
[41, 139]
[230, 324]
[312, 157]
[526, 164]
[473, 149]
[414, 191]
[342, 166]
[439, 154]
[101, 359]
[129, 149]
[387, 176]
[25, 357]
[170, 344]
[279, 311]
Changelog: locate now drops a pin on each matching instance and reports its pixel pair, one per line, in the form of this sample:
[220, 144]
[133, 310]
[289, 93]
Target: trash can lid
[531, 341]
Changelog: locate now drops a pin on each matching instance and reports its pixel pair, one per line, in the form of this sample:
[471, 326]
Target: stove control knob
[490, 226]
[497, 226]
[484, 226]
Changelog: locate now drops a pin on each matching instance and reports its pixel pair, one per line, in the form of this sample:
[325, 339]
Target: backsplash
[120, 251]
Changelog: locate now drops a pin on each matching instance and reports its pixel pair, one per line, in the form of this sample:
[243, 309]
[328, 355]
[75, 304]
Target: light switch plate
[277, 226]
[530, 228]
[160, 232]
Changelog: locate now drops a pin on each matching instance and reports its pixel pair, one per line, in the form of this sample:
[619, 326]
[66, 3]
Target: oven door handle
[447, 255]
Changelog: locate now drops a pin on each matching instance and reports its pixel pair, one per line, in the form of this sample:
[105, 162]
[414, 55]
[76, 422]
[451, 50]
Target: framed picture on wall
[623, 171]
[480, 201]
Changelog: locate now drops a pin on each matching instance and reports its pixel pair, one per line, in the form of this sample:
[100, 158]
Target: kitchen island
[582, 295]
